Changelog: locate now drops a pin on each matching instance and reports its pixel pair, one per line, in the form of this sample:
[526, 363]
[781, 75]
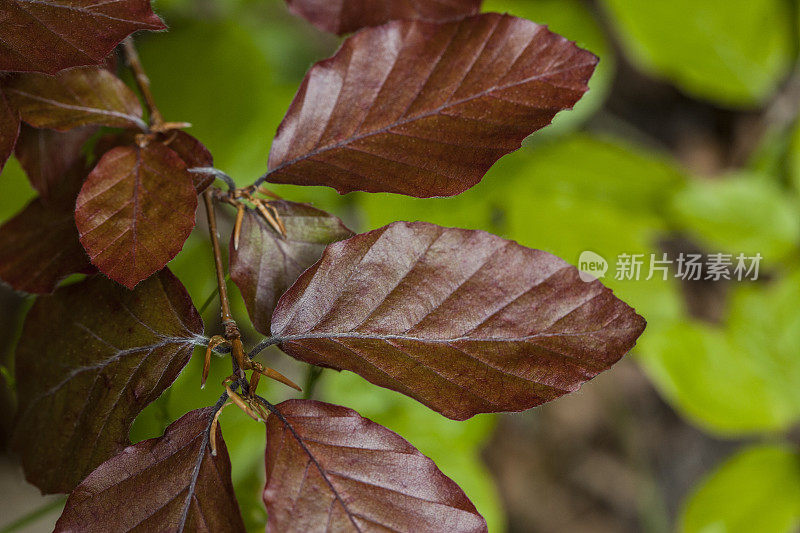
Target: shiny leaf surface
[425, 109]
[345, 16]
[336, 468]
[170, 483]
[266, 264]
[90, 358]
[461, 320]
[135, 211]
[75, 98]
[51, 35]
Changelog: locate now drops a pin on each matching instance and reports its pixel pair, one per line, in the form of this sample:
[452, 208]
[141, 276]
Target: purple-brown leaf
[135, 211]
[9, 129]
[345, 16]
[424, 109]
[90, 358]
[266, 264]
[51, 35]
[461, 320]
[171, 484]
[39, 246]
[195, 155]
[337, 471]
[74, 98]
[48, 155]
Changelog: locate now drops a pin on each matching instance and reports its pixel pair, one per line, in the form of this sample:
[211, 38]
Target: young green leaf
[330, 468]
[90, 358]
[75, 98]
[461, 320]
[47, 155]
[39, 246]
[346, 16]
[424, 109]
[135, 211]
[51, 35]
[735, 53]
[265, 263]
[9, 129]
[170, 483]
[758, 489]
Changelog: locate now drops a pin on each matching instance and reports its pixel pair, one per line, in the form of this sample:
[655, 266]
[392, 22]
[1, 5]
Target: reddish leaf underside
[39, 246]
[47, 155]
[461, 320]
[171, 483]
[425, 109]
[345, 16]
[73, 98]
[266, 264]
[51, 35]
[9, 129]
[90, 358]
[347, 473]
[135, 211]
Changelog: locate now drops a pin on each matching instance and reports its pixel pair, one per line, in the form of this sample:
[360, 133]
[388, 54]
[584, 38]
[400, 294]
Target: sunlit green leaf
[740, 214]
[733, 52]
[743, 377]
[756, 490]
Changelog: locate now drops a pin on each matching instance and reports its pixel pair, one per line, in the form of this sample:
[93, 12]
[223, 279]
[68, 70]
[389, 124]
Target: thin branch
[132, 58]
[225, 306]
[261, 346]
[217, 174]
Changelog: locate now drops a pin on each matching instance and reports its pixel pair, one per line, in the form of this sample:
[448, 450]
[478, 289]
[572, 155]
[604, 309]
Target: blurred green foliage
[733, 52]
[756, 490]
[230, 67]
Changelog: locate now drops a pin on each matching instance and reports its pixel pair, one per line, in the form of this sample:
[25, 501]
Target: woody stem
[142, 81]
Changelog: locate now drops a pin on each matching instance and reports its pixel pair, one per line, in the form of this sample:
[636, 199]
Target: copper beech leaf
[345, 16]
[330, 469]
[194, 154]
[266, 263]
[424, 109]
[47, 155]
[461, 320]
[135, 211]
[73, 98]
[170, 483]
[51, 35]
[9, 129]
[39, 246]
[90, 358]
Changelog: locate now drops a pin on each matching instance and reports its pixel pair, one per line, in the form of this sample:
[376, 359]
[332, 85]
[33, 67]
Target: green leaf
[741, 213]
[794, 159]
[573, 20]
[756, 490]
[588, 193]
[733, 52]
[741, 378]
